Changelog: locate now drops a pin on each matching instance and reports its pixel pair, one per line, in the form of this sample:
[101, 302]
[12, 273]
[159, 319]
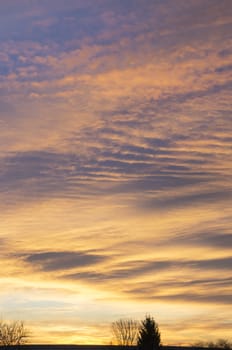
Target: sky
[115, 167]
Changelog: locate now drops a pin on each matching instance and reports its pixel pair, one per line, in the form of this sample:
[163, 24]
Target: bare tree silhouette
[13, 333]
[218, 344]
[125, 331]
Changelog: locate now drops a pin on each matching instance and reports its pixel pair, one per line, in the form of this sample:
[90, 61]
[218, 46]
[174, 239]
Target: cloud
[55, 261]
[190, 199]
[127, 270]
[130, 270]
[215, 238]
[193, 298]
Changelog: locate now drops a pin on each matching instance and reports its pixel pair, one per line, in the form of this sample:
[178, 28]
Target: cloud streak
[53, 261]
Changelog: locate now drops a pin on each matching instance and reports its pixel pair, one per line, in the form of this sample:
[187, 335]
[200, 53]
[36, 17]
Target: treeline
[146, 335]
[143, 335]
[218, 344]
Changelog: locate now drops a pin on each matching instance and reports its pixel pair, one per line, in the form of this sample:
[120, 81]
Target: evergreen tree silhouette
[149, 335]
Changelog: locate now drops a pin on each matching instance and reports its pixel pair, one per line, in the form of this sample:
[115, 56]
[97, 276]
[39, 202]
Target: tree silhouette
[218, 344]
[13, 333]
[125, 331]
[149, 335]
